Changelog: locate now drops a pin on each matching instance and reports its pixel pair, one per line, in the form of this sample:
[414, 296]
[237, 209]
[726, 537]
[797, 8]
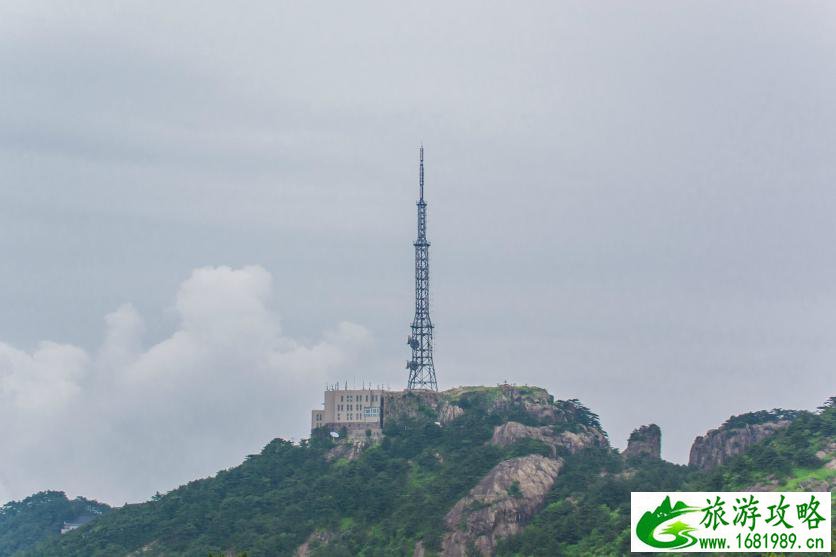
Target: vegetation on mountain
[791, 452]
[760, 417]
[588, 509]
[42, 516]
[382, 503]
[397, 492]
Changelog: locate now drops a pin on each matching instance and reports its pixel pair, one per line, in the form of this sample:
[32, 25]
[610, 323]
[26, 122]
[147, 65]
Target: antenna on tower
[421, 173]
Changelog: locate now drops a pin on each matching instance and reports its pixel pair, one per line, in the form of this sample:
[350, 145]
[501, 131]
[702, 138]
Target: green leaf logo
[680, 531]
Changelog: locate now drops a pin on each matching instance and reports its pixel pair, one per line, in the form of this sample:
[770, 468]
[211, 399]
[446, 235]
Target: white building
[350, 408]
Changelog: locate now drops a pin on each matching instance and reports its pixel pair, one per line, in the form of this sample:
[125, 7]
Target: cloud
[133, 419]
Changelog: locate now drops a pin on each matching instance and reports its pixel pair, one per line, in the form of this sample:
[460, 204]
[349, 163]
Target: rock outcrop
[718, 446]
[511, 432]
[446, 406]
[504, 501]
[511, 402]
[414, 404]
[448, 412]
[645, 441]
[500, 504]
[349, 450]
[353, 444]
[318, 539]
[827, 454]
[506, 399]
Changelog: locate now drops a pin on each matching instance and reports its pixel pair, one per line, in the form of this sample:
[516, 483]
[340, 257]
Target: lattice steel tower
[421, 370]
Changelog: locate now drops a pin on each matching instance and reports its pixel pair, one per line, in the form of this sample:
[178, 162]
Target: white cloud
[131, 420]
[42, 381]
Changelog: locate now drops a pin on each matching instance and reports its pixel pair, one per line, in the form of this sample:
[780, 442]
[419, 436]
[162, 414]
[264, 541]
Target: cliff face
[500, 504]
[514, 490]
[718, 446]
[645, 441]
[509, 433]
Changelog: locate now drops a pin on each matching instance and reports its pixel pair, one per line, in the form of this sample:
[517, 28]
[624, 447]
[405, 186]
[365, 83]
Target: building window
[341, 398]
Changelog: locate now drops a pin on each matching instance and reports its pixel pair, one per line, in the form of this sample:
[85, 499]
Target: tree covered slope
[41, 517]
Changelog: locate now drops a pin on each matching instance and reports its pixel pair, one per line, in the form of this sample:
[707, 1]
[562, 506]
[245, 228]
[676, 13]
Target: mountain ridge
[479, 470]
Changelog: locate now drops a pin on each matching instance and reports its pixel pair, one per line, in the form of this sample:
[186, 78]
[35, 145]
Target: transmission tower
[421, 370]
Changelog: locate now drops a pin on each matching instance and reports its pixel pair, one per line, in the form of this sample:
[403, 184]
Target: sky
[207, 213]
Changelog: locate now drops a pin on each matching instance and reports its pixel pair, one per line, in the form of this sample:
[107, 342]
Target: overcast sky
[207, 209]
